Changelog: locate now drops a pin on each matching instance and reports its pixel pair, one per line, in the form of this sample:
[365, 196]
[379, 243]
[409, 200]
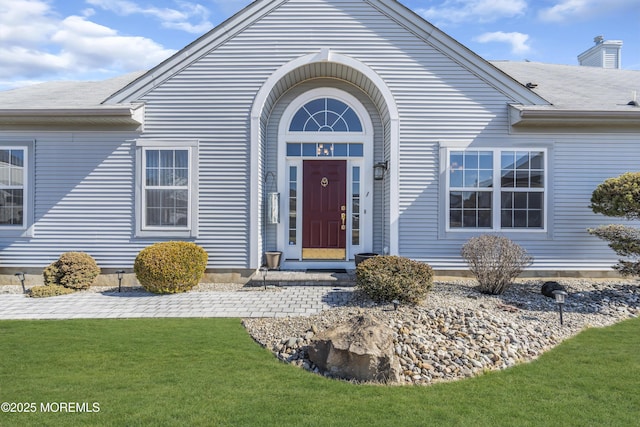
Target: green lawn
[209, 372]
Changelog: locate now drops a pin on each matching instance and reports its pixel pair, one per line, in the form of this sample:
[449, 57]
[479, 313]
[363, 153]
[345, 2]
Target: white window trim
[27, 226]
[496, 190]
[191, 229]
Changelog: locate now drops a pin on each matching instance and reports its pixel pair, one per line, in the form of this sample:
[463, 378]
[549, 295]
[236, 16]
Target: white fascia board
[520, 116]
[112, 116]
[458, 52]
[194, 51]
[66, 112]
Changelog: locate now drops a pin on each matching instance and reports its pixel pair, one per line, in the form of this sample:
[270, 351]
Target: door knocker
[324, 182]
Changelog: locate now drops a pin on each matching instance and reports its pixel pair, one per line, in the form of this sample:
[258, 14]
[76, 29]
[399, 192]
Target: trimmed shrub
[387, 278]
[620, 197]
[74, 270]
[625, 241]
[495, 261]
[170, 267]
[42, 291]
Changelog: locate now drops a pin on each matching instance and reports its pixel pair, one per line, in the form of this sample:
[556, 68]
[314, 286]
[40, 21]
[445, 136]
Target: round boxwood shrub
[74, 270]
[170, 267]
[388, 278]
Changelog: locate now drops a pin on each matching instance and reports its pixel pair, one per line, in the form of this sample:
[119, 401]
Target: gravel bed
[458, 332]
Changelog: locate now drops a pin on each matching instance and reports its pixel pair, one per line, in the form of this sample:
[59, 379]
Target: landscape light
[120, 273]
[560, 296]
[20, 275]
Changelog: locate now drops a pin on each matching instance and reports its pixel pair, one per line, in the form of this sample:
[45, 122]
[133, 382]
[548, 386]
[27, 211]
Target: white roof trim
[522, 116]
[460, 53]
[194, 51]
[67, 116]
[394, 10]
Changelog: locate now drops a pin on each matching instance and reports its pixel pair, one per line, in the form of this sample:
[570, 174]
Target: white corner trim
[394, 185]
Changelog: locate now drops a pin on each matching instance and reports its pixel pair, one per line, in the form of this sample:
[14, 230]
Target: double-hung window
[493, 189]
[14, 188]
[12, 180]
[166, 193]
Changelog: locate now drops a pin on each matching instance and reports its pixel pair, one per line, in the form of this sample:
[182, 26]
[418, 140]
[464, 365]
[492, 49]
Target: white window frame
[496, 191]
[189, 230]
[26, 228]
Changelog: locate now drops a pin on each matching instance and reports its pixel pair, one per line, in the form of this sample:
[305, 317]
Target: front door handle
[343, 217]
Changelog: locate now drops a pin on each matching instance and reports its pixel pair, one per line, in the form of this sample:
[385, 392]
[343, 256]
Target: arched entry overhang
[325, 64]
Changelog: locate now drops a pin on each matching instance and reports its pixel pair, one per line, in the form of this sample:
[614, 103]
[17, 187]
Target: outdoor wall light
[560, 296]
[379, 169]
[120, 273]
[20, 275]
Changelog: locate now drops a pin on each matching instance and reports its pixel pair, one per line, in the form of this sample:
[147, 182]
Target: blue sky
[43, 40]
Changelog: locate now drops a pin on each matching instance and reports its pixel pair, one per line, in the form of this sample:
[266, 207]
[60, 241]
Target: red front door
[324, 209]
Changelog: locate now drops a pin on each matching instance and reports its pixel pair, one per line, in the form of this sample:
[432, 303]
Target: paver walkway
[257, 302]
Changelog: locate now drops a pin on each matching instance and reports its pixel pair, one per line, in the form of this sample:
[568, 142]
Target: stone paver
[275, 302]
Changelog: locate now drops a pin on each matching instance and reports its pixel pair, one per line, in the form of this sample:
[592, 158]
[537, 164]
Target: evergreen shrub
[42, 291]
[74, 270]
[170, 267]
[619, 197]
[387, 278]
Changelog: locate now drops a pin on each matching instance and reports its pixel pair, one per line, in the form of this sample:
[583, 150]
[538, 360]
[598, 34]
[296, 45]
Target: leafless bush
[495, 261]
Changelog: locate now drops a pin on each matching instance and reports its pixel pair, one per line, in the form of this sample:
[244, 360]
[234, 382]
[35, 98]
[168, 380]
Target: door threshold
[327, 265]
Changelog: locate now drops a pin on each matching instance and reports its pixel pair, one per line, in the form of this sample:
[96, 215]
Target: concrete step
[339, 278]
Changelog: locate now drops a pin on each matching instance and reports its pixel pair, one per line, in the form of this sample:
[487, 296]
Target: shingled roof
[575, 93]
[576, 87]
[64, 94]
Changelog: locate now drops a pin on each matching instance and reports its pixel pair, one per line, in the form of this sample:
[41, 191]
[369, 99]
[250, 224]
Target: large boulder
[360, 349]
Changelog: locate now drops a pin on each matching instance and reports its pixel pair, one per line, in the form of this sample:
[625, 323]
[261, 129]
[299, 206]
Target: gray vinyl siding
[576, 165]
[211, 100]
[83, 184]
[85, 181]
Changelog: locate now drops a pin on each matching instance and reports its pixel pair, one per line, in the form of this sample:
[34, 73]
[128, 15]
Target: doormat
[326, 270]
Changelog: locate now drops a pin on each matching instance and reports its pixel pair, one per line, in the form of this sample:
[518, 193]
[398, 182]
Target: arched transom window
[325, 115]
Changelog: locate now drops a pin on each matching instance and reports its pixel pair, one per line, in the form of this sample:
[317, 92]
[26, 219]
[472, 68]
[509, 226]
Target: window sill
[184, 234]
[16, 232]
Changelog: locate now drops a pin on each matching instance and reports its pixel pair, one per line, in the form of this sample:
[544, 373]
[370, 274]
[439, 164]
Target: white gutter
[111, 115]
[523, 116]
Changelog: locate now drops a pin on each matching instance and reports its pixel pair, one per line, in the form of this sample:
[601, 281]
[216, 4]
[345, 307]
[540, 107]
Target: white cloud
[24, 22]
[518, 41]
[565, 10]
[97, 46]
[179, 19]
[457, 11]
[36, 44]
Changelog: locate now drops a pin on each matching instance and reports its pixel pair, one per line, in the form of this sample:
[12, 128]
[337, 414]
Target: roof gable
[395, 11]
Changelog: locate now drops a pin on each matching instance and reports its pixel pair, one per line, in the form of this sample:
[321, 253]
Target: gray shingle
[64, 94]
[576, 87]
